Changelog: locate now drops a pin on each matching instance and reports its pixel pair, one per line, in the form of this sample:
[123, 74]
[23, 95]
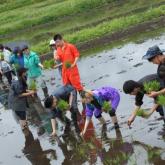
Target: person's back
[31, 63]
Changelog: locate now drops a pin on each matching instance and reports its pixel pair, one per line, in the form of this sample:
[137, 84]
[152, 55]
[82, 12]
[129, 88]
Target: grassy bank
[106, 28]
[79, 21]
[43, 12]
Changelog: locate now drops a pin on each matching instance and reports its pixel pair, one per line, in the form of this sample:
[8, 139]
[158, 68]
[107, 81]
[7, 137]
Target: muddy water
[144, 143]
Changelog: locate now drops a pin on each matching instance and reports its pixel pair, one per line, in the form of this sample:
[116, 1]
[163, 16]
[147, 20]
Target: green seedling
[62, 105]
[141, 113]
[33, 85]
[106, 106]
[67, 64]
[51, 63]
[161, 100]
[46, 64]
[151, 86]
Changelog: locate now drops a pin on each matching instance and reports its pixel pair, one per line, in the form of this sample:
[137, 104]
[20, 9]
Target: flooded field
[143, 143]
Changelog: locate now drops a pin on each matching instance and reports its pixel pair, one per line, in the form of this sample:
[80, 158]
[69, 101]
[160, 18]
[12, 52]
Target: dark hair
[1, 47]
[130, 85]
[82, 94]
[48, 102]
[57, 37]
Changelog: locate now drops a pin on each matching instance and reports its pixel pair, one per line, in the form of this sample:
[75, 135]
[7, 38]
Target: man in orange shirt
[68, 55]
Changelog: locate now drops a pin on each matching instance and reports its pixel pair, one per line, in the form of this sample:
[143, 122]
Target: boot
[45, 91]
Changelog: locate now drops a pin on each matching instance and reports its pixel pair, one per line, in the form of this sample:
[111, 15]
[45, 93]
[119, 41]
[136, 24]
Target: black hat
[48, 102]
[152, 52]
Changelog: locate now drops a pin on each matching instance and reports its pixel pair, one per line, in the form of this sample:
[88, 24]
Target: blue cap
[152, 52]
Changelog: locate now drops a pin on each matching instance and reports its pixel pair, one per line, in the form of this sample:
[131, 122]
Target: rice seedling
[68, 64]
[161, 100]
[33, 85]
[62, 105]
[141, 113]
[151, 86]
[106, 106]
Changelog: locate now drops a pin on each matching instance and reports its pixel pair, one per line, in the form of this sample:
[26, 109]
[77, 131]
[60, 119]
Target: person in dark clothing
[155, 55]
[18, 97]
[136, 88]
[68, 94]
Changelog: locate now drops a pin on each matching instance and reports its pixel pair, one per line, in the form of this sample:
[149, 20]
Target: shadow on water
[144, 143]
[34, 152]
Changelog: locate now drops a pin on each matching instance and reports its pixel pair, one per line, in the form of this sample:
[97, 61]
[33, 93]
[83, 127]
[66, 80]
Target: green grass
[44, 12]
[105, 28]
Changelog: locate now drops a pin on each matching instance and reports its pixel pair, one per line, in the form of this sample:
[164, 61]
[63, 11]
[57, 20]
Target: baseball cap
[52, 42]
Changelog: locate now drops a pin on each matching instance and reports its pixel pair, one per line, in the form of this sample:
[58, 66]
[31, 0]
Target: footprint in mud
[11, 132]
[92, 66]
[99, 56]
[130, 59]
[152, 128]
[123, 71]
[138, 64]
[152, 124]
[17, 156]
[107, 75]
[113, 58]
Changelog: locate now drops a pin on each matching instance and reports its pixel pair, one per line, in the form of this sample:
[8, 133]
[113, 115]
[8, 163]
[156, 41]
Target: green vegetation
[108, 27]
[68, 64]
[151, 86]
[43, 12]
[33, 85]
[63, 105]
[141, 113]
[72, 18]
[161, 100]
[106, 106]
[48, 64]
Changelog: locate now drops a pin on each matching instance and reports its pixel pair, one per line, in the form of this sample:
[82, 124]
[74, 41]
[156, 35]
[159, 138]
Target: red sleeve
[74, 51]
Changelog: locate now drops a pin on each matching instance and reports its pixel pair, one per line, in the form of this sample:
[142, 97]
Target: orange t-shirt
[69, 53]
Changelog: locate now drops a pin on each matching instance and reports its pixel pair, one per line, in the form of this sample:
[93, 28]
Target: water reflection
[34, 152]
